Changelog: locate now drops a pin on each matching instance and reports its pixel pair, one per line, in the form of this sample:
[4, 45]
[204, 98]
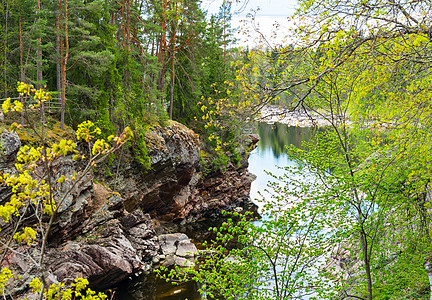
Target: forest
[116, 63]
[357, 227]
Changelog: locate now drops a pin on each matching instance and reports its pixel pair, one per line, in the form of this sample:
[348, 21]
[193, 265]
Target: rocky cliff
[174, 188]
[106, 232]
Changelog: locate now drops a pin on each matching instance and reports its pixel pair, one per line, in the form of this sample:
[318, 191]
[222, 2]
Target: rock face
[222, 191]
[106, 236]
[174, 190]
[76, 201]
[9, 146]
[163, 190]
[106, 253]
[110, 254]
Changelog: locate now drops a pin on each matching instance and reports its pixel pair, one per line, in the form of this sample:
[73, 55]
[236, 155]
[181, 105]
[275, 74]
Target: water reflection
[152, 288]
[276, 137]
[269, 158]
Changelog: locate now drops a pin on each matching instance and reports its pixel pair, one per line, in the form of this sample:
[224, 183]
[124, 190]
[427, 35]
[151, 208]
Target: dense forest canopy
[116, 63]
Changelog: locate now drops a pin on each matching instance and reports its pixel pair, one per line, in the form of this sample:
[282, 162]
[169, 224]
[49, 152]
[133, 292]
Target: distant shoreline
[275, 114]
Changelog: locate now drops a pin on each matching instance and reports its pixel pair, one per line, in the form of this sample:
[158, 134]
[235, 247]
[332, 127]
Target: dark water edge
[152, 288]
[269, 155]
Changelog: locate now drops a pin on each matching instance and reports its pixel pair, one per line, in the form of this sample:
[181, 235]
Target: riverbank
[276, 114]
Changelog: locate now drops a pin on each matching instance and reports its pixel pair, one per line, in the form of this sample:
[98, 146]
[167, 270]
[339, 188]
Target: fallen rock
[186, 248]
[168, 242]
[176, 249]
[184, 262]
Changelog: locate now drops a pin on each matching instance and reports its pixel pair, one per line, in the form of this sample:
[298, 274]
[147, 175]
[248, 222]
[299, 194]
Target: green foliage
[210, 163]
[277, 257]
[40, 196]
[140, 149]
[365, 196]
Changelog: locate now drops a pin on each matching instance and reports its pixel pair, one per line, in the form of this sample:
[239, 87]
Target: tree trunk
[128, 25]
[5, 49]
[64, 54]
[39, 50]
[366, 260]
[39, 77]
[428, 267]
[162, 49]
[21, 59]
[172, 85]
[58, 63]
[173, 45]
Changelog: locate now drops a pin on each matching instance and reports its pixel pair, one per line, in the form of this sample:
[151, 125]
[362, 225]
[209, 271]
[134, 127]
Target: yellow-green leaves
[36, 285]
[27, 236]
[100, 146]
[125, 136]
[14, 127]
[87, 131]
[26, 90]
[61, 179]
[12, 106]
[127, 133]
[63, 148]
[229, 104]
[5, 275]
[80, 284]
[58, 291]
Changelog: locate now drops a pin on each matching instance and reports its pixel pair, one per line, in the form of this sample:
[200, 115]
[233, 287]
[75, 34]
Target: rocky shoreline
[116, 226]
[301, 118]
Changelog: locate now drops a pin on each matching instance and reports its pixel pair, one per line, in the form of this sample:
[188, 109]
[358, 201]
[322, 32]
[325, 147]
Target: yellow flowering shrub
[33, 187]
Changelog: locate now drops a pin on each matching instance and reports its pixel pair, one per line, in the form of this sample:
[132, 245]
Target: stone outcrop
[106, 253]
[107, 234]
[228, 190]
[164, 189]
[9, 146]
[110, 254]
[75, 201]
[174, 189]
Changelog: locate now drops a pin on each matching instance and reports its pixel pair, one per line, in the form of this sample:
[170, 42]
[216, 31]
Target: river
[269, 156]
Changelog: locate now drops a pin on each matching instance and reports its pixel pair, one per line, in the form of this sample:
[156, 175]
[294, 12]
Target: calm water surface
[269, 156]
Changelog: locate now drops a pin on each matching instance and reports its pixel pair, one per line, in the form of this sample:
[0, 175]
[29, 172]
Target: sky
[269, 12]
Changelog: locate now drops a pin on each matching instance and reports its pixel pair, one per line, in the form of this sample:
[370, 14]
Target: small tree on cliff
[37, 193]
[281, 256]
